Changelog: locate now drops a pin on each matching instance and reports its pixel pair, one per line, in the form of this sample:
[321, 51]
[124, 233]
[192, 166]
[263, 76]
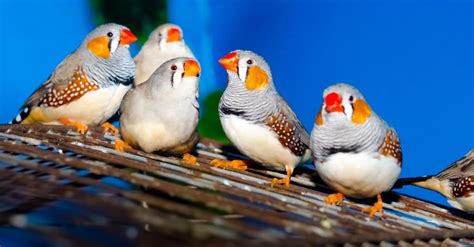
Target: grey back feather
[463, 167]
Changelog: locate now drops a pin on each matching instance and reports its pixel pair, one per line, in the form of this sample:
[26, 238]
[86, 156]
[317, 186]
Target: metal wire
[61, 187]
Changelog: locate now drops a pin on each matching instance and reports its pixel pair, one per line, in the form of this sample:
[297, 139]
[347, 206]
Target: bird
[354, 151]
[456, 182]
[86, 88]
[164, 43]
[257, 120]
[161, 114]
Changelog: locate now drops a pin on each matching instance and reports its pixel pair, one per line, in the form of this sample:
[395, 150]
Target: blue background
[412, 60]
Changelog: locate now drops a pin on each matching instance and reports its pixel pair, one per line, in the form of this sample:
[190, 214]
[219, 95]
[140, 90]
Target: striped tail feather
[22, 115]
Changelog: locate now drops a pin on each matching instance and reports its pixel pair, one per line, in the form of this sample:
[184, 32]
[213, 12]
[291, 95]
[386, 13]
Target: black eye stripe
[172, 79]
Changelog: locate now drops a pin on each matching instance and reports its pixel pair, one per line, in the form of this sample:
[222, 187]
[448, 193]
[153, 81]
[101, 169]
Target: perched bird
[87, 87]
[257, 120]
[355, 152]
[164, 43]
[161, 114]
[456, 183]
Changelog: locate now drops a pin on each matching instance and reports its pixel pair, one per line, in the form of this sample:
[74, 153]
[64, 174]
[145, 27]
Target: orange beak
[174, 35]
[191, 68]
[334, 103]
[229, 62]
[127, 37]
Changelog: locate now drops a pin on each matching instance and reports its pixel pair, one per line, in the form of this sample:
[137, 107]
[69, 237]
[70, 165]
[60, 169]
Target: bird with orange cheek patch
[88, 86]
[355, 152]
[164, 43]
[257, 120]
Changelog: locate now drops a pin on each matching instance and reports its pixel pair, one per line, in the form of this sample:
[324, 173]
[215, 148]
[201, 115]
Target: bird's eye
[174, 67]
[160, 35]
[249, 62]
[351, 98]
[110, 34]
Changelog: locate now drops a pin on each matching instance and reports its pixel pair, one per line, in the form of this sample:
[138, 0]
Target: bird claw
[376, 208]
[121, 145]
[234, 164]
[80, 127]
[108, 127]
[189, 159]
[285, 181]
[334, 199]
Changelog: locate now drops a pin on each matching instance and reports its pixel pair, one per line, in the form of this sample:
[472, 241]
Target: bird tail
[307, 157]
[22, 115]
[427, 182]
[410, 181]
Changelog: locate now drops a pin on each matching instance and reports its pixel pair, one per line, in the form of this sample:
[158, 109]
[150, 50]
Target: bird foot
[121, 145]
[189, 159]
[285, 181]
[234, 164]
[80, 127]
[334, 199]
[108, 127]
[377, 207]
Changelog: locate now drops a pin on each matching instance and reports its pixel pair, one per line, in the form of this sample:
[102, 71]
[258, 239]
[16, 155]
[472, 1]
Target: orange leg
[377, 207]
[334, 199]
[189, 159]
[234, 164]
[285, 180]
[109, 127]
[80, 127]
[121, 145]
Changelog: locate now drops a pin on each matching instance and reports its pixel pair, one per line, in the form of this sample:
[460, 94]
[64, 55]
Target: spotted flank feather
[287, 134]
[77, 86]
[463, 187]
[391, 146]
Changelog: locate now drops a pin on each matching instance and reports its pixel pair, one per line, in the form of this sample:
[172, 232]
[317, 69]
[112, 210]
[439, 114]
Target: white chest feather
[463, 203]
[95, 107]
[359, 175]
[155, 126]
[259, 143]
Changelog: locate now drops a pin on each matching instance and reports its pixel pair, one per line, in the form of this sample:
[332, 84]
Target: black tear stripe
[229, 111]
[172, 79]
[109, 45]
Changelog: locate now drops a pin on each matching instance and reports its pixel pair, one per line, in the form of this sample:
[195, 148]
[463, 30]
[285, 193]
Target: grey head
[167, 36]
[106, 56]
[250, 91]
[176, 76]
[345, 123]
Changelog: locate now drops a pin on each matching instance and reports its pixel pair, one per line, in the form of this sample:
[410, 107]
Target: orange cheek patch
[361, 112]
[319, 118]
[76, 88]
[100, 47]
[256, 78]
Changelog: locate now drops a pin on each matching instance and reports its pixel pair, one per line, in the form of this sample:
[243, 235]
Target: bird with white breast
[257, 120]
[355, 152]
[162, 113]
[87, 87]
